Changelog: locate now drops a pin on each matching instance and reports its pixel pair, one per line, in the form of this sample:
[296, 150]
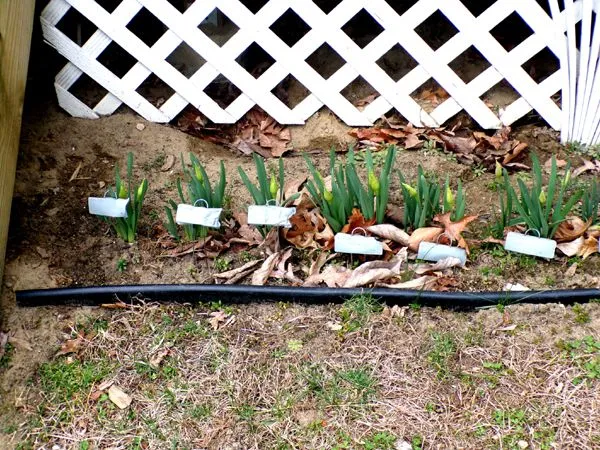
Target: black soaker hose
[97, 295]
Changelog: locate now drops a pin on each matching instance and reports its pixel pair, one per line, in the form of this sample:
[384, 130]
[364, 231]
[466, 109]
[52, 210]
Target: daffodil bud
[139, 195]
[411, 190]
[542, 198]
[122, 191]
[198, 173]
[374, 183]
[328, 196]
[449, 198]
[273, 187]
[498, 172]
[567, 178]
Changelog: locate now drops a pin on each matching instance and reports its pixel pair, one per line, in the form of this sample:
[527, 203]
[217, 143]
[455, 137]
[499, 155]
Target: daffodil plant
[126, 227]
[422, 201]
[454, 203]
[200, 192]
[335, 200]
[541, 207]
[270, 189]
[589, 203]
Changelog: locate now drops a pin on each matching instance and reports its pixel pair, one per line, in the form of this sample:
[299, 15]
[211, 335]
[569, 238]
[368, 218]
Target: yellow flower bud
[122, 191]
[273, 187]
[542, 198]
[328, 196]
[498, 172]
[449, 198]
[198, 173]
[140, 190]
[411, 190]
[374, 183]
[567, 178]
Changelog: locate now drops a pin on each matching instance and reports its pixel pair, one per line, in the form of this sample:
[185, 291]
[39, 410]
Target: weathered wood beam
[16, 26]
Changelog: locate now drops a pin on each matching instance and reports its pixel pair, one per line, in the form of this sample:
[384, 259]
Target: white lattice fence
[396, 29]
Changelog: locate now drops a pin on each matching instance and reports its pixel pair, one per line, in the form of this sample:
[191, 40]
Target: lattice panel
[289, 59]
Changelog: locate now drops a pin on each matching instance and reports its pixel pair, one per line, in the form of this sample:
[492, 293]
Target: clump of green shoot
[421, 201]
[454, 204]
[372, 197]
[200, 192]
[541, 207]
[270, 189]
[589, 203]
[335, 203]
[348, 191]
[126, 227]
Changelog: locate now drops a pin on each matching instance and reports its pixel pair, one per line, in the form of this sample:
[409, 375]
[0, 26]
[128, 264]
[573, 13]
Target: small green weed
[357, 310]
[121, 265]
[582, 316]
[222, 264]
[443, 349]
[65, 380]
[380, 441]
[6, 357]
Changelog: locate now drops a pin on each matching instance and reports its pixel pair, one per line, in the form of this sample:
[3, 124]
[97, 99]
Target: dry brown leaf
[261, 276]
[441, 265]
[158, 357]
[217, 318]
[71, 346]
[428, 234]
[375, 271]
[119, 397]
[168, 164]
[390, 232]
[357, 220]
[453, 230]
[571, 271]
[571, 229]
[3, 342]
[571, 248]
[421, 283]
[317, 264]
[309, 230]
[588, 247]
[294, 186]
[232, 273]
[332, 276]
[117, 305]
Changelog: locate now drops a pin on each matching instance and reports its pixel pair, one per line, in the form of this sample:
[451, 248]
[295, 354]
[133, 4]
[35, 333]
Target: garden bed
[54, 242]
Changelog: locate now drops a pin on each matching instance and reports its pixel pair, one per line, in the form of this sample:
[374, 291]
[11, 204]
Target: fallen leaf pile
[470, 147]
[258, 132]
[576, 238]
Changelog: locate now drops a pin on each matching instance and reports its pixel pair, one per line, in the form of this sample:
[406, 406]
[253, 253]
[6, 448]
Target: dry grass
[278, 376]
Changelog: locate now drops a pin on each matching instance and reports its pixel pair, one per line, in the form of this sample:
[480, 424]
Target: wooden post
[16, 26]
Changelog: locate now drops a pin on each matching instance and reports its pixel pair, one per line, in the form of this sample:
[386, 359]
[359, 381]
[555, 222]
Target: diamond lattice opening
[511, 31]
[478, 6]
[362, 28]
[430, 95]
[469, 64]
[88, 91]
[218, 27]
[436, 30]
[147, 27]
[542, 65]
[327, 5]
[116, 59]
[255, 60]
[359, 92]
[76, 27]
[222, 91]
[397, 62]
[181, 5]
[500, 96]
[325, 61]
[290, 91]
[109, 5]
[290, 27]
[186, 60]
[155, 90]
[254, 5]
